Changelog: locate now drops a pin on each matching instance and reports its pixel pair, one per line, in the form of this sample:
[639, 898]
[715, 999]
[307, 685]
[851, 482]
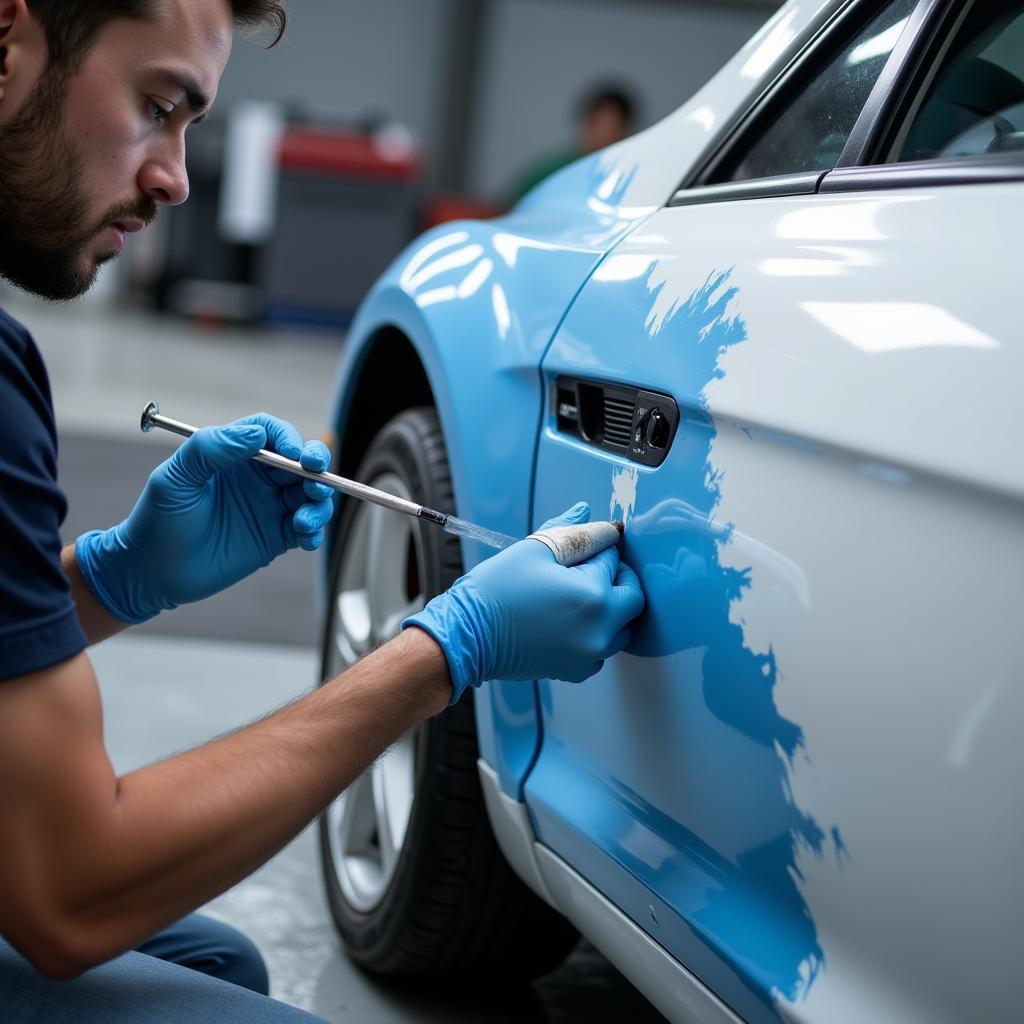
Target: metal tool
[569, 544]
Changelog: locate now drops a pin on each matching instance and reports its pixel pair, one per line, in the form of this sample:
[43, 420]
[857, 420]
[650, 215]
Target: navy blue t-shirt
[38, 623]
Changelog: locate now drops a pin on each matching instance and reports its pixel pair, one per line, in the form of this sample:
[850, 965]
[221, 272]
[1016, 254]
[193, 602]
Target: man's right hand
[521, 615]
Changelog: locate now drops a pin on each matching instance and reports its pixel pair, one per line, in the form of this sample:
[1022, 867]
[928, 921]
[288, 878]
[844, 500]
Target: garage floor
[194, 673]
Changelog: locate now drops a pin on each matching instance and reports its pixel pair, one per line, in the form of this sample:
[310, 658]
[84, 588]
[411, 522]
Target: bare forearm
[184, 830]
[97, 623]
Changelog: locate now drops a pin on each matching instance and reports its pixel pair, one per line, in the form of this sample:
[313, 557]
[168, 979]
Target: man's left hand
[208, 517]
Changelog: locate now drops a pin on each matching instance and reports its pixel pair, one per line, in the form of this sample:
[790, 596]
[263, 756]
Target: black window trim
[808, 52]
[804, 184]
[918, 74]
[893, 88]
[807, 59]
[863, 164]
[894, 92]
[991, 169]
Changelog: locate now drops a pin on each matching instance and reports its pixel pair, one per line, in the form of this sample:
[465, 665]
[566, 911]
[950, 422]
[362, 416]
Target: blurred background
[373, 121]
[323, 159]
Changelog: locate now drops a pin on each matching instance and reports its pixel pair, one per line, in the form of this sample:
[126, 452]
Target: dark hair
[71, 26]
[608, 95]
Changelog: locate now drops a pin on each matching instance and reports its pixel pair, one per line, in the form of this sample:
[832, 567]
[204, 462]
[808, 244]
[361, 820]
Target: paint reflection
[668, 547]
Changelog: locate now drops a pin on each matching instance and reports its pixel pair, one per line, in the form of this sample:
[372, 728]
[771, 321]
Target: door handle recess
[630, 421]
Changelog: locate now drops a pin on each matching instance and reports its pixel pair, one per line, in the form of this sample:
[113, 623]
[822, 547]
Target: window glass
[975, 105]
[809, 132]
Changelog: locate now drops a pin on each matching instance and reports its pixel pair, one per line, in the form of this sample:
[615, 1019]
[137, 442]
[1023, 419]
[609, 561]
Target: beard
[44, 205]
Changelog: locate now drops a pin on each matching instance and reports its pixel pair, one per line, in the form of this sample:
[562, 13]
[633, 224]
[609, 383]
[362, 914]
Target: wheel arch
[392, 378]
[387, 367]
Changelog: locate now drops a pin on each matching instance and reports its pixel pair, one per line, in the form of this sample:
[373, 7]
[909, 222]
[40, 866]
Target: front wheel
[416, 883]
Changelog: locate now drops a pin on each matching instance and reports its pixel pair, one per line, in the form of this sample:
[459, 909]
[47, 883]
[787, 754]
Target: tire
[445, 900]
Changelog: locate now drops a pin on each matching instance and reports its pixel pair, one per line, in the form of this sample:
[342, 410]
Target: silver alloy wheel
[379, 585]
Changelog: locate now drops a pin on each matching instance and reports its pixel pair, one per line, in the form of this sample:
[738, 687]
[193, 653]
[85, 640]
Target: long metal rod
[151, 418]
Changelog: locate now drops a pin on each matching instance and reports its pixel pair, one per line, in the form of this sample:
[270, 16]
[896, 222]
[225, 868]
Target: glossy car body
[797, 795]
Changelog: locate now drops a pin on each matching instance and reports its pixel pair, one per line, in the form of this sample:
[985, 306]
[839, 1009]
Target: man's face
[86, 159]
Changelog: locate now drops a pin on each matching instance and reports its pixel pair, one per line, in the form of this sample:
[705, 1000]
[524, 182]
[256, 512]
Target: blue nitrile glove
[521, 615]
[207, 518]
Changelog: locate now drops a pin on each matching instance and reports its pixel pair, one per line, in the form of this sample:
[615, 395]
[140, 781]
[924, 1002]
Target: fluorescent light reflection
[453, 261]
[436, 295]
[508, 246]
[430, 250]
[840, 222]
[770, 43]
[877, 327]
[607, 187]
[623, 213]
[879, 45]
[624, 268]
[502, 315]
[475, 279]
[703, 116]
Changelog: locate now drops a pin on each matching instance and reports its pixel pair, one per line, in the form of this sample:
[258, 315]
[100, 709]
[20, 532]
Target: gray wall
[350, 58]
[542, 53]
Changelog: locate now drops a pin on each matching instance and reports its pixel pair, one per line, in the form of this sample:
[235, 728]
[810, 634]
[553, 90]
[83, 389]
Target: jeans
[211, 947]
[194, 972]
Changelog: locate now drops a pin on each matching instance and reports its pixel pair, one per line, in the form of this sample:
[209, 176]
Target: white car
[779, 335]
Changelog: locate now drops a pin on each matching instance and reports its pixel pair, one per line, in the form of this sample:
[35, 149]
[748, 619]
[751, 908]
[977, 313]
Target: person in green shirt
[605, 115]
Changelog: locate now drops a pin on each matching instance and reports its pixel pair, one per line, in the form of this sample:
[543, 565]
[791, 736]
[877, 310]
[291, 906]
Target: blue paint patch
[754, 915]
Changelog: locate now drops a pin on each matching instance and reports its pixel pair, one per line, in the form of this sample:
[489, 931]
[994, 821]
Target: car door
[799, 392]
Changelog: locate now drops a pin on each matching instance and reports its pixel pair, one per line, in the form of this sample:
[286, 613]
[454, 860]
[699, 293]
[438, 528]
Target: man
[605, 115]
[95, 100]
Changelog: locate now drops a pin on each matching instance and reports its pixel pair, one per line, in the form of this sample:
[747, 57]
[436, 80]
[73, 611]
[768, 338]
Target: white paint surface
[624, 487]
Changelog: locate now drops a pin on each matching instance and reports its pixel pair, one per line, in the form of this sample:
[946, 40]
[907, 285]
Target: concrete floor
[197, 672]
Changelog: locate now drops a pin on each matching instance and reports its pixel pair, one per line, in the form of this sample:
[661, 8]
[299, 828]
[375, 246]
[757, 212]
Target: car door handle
[630, 421]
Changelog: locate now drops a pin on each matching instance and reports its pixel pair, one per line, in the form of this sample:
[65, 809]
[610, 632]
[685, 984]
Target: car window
[975, 104]
[808, 132]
